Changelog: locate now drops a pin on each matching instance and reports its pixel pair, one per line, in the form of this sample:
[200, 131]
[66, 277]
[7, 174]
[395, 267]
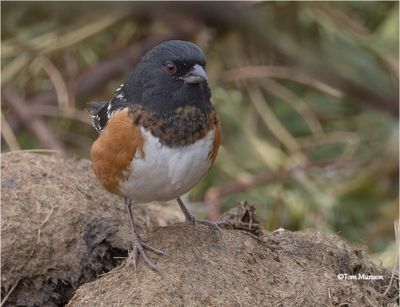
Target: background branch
[33, 123]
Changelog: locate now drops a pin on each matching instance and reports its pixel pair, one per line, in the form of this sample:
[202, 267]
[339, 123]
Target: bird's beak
[196, 75]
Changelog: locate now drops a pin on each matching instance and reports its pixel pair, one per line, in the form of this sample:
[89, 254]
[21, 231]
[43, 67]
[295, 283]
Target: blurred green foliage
[295, 84]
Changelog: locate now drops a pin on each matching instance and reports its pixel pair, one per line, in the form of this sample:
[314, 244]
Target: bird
[159, 134]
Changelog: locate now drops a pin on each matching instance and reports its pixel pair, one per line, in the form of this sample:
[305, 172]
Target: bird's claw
[214, 225]
[139, 250]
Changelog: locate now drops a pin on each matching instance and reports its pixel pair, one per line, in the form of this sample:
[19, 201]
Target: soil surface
[233, 268]
[60, 228]
[63, 236]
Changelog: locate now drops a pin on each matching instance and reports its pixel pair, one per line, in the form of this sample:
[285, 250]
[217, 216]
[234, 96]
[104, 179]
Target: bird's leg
[189, 218]
[138, 246]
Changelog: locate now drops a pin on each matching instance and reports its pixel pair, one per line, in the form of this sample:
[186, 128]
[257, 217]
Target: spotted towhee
[159, 135]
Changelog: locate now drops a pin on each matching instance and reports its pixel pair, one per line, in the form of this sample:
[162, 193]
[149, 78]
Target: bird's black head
[169, 76]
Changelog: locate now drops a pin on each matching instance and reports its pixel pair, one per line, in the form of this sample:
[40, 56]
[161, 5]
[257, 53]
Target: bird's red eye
[170, 68]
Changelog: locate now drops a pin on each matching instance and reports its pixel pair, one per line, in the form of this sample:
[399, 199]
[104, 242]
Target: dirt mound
[60, 228]
[236, 268]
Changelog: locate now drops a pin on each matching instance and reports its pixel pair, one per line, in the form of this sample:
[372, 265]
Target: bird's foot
[139, 249]
[190, 219]
[193, 221]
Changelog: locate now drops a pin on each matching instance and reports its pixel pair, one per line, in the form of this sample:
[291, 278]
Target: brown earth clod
[63, 235]
[60, 228]
[202, 268]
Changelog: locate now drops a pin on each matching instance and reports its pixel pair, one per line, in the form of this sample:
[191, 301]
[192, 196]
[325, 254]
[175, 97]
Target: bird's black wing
[102, 111]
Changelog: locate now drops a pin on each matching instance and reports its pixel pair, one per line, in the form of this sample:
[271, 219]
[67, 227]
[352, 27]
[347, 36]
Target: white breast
[165, 173]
